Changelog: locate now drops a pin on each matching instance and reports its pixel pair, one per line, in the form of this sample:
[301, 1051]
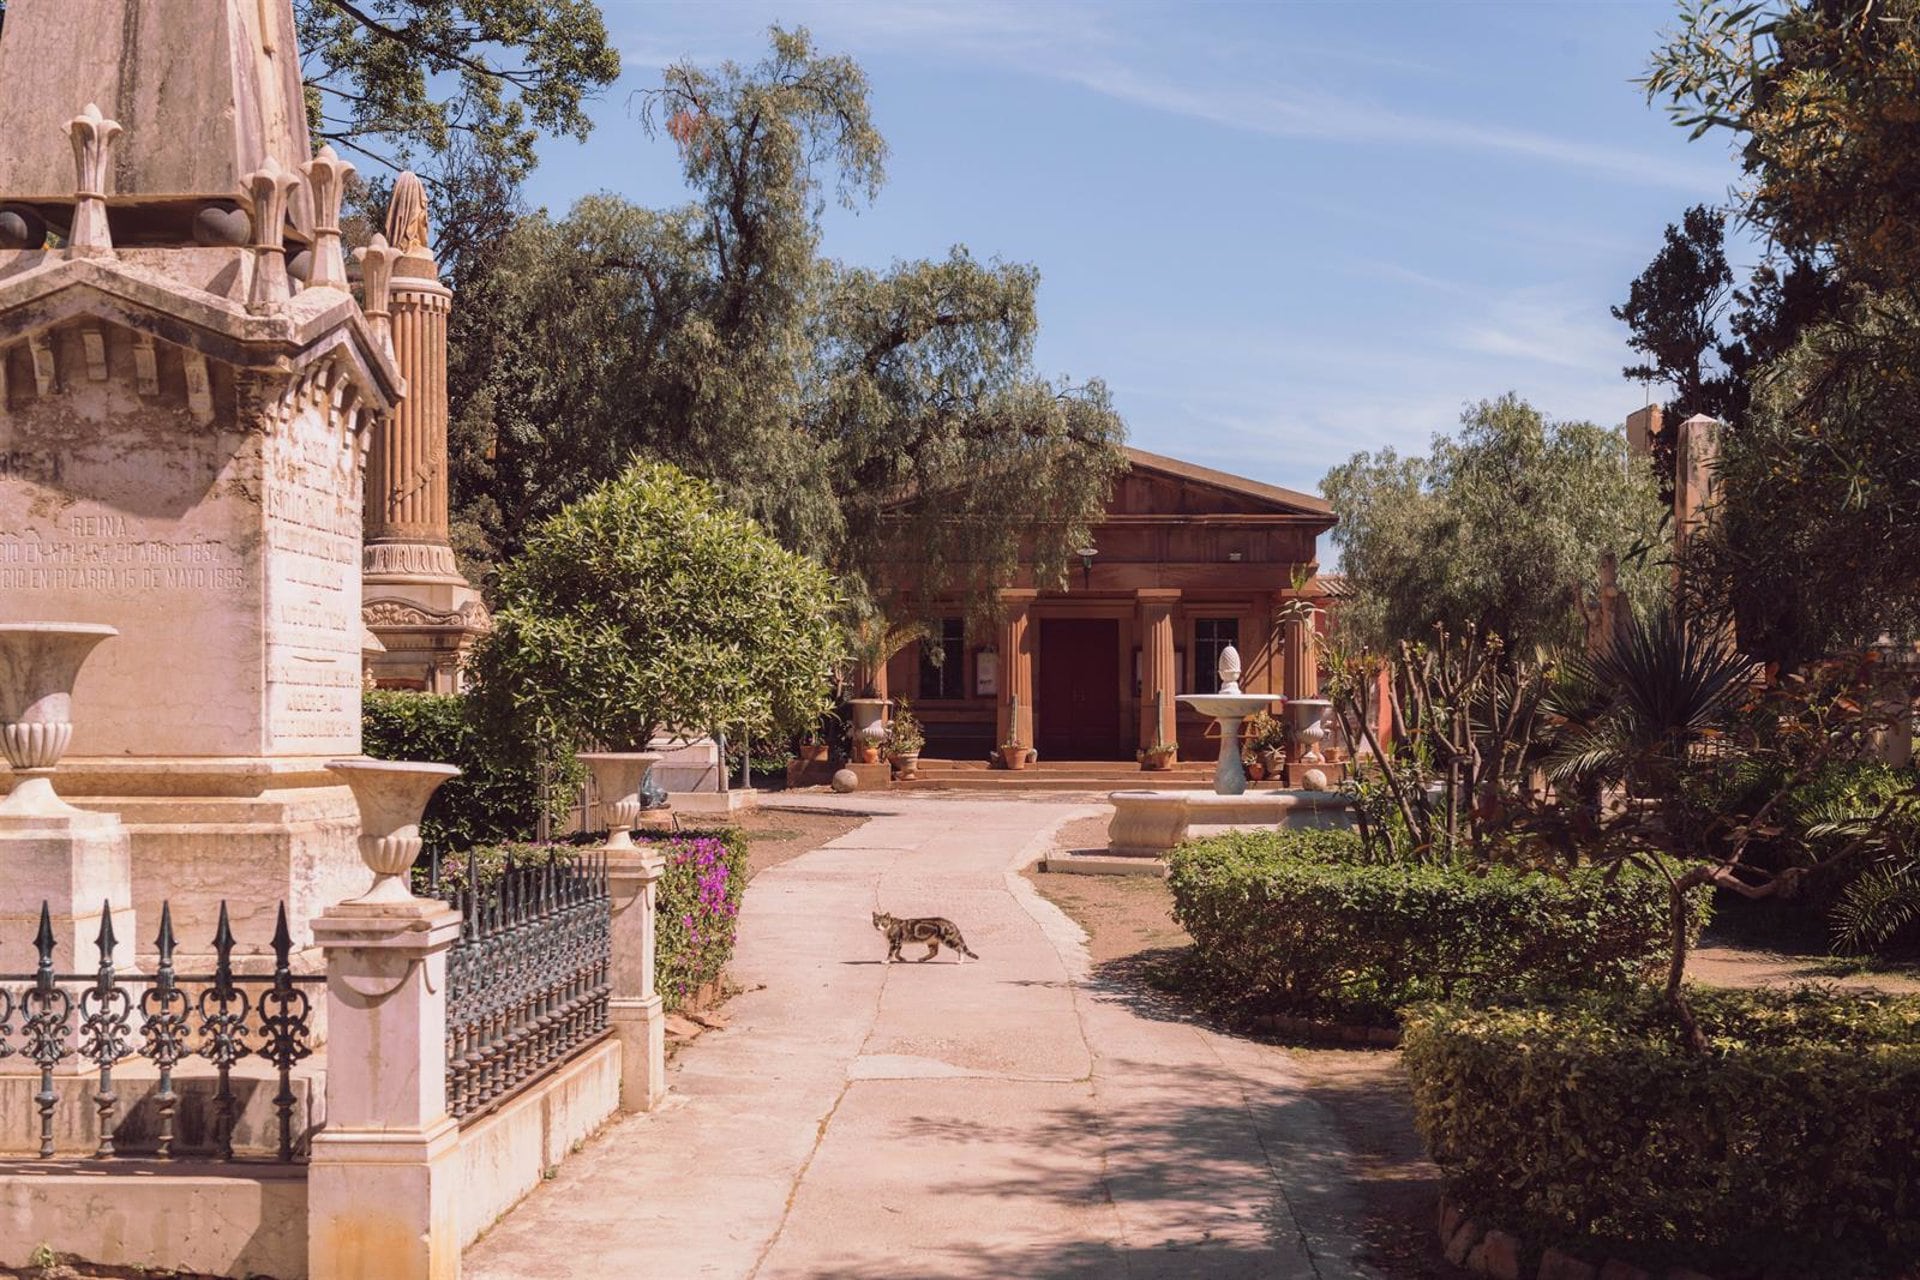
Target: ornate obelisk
[415, 599]
[185, 386]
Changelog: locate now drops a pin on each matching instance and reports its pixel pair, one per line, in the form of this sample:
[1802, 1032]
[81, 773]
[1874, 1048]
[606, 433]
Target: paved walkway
[1007, 1118]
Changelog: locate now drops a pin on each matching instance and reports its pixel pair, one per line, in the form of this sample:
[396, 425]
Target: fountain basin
[1229, 708]
[1148, 823]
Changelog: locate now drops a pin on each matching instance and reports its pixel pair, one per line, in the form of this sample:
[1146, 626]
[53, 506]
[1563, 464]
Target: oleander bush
[1299, 922]
[696, 918]
[1787, 1149]
[500, 793]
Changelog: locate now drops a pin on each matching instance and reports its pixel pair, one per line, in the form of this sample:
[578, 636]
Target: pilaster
[1159, 681]
[1014, 719]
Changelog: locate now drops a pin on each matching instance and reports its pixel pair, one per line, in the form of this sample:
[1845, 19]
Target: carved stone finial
[93, 139]
[376, 283]
[268, 187]
[1229, 670]
[407, 228]
[327, 176]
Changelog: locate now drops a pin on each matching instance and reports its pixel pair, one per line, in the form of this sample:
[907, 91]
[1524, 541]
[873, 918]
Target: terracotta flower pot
[1013, 757]
[866, 753]
[1157, 761]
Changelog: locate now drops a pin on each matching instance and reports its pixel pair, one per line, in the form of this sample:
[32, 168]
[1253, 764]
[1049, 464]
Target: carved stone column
[1159, 681]
[415, 600]
[1014, 720]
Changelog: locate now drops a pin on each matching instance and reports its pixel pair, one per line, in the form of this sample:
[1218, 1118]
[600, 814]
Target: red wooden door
[1077, 689]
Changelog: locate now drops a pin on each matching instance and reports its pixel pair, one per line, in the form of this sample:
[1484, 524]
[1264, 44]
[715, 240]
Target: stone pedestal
[635, 1006]
[382, 1179]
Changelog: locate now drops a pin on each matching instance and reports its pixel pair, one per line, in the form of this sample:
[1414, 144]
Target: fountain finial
[1229, 670]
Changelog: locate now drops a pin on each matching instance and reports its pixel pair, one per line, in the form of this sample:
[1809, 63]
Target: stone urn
[392, 794]
[869, 717]
[39, 662]
[1306, 719]
[620, 777]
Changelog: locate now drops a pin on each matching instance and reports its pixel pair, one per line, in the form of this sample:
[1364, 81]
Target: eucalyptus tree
[1499, 530]
[867, 417]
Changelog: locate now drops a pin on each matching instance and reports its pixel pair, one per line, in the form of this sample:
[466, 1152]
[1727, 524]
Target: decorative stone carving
[391, 795]
[376, 283]
[39, 662]
[408, 559]
[327, 176]
[93, 139]
[269, 187]
[402, 613]
[407, 228]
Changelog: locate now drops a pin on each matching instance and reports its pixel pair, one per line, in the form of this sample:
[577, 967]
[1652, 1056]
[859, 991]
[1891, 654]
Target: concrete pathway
[1007, 1118]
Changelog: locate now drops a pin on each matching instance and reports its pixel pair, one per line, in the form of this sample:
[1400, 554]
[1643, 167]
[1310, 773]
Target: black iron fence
[96, 1021]
[528, 980]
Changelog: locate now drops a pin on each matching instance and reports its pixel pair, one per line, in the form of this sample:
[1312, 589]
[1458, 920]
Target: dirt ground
[775, 836]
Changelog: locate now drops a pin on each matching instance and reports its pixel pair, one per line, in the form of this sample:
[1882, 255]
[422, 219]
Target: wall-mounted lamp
[1086, 566]
[1234, 556]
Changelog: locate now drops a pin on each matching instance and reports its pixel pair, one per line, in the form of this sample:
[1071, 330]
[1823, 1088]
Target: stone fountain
[1228, 708]
[1148, 823]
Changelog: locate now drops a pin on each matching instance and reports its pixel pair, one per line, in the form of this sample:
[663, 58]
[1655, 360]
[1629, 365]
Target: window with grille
[1211, 636]
[943, 661]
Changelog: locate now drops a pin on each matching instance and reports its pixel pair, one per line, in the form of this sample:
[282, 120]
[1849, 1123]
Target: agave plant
[1633, 712]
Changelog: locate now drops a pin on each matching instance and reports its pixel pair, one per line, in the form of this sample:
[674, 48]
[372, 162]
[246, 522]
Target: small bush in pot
[905, 738]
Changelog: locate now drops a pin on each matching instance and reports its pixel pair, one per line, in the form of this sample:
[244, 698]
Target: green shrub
[498, 795]
[1295, 922]
[1788, 1147]
[696, 915]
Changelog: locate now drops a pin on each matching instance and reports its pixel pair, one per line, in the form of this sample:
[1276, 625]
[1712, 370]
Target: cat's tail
[965, 950]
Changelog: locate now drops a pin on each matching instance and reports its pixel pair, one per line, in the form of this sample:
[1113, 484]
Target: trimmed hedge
[696, 919]
[1788, 1149]
[498, 795]
[1294, 922]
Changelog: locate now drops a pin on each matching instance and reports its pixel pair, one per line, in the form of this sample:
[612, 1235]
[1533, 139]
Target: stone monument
[185, 384]
[425, 614]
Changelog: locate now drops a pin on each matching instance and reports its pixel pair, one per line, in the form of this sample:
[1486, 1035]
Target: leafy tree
[379, 72]
[1704, 337]
[1818, 96]
[1497, 531]
[648, 606]
[1816, 494]
[859, 415]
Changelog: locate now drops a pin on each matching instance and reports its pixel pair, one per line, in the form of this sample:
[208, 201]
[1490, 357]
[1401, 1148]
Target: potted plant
[1158, 758]
[904, 741]
[1264, 737]
[867, 744]
[1255, 767]
[1013, 754]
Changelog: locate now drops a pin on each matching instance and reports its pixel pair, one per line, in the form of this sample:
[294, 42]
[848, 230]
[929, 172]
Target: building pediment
[1157, 486]
[44, 289]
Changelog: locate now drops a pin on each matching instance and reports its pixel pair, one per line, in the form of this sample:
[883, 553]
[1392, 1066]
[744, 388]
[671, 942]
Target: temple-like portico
[1187, 561]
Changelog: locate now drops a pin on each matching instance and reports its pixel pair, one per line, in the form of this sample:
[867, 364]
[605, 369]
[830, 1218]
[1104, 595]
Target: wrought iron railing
[106, 1017]
[528, 980]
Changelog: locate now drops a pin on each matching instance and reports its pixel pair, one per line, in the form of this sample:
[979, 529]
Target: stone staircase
[1063, 775]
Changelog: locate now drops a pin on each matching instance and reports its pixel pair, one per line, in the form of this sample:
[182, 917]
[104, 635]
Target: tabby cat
[931, 930]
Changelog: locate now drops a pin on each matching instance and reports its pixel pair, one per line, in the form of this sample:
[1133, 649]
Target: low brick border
[1327, 1032]
[1501, 1255]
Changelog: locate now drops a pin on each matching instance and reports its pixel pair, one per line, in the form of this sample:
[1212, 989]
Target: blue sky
[1282, 232]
